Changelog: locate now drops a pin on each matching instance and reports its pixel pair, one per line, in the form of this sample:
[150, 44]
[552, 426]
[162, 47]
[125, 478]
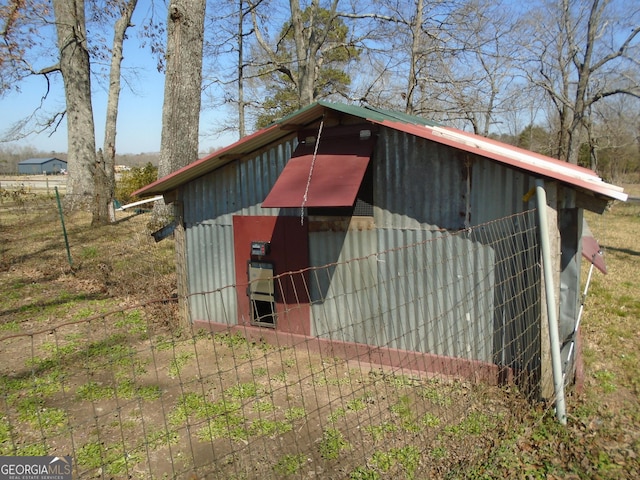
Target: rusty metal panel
[328, 176]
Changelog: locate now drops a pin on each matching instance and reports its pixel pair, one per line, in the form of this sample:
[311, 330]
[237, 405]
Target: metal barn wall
[344, 295]
[52, 166]
[414, 298]
[439, 297]
[425, 301]
[497, 191]
[418, 184]
[30, 169]
[209, 205]
[408, 298]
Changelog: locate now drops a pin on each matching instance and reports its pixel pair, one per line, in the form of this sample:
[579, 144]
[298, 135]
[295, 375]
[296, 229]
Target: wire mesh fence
[413, 369]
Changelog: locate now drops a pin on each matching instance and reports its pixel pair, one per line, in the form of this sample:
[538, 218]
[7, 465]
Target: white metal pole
[575, 330]
[554, 336]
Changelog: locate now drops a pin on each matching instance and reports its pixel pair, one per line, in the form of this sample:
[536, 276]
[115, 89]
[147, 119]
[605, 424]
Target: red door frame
[289, 253]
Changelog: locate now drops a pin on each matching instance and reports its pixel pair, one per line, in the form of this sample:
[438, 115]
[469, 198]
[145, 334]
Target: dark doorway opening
[263, 313]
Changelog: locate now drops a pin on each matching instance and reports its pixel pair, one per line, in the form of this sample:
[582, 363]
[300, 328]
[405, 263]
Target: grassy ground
[378, 428]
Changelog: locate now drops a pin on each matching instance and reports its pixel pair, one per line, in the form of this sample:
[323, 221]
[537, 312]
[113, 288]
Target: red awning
[334, 180]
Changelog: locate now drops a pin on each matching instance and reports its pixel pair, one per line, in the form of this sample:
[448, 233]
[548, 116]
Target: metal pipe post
[554, 336]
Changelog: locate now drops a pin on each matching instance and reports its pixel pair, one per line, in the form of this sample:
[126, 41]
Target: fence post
[64, 230]
[554, 336]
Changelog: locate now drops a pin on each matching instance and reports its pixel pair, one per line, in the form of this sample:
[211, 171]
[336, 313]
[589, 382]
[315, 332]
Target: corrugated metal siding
[209, 205]
[418, 183]
[434, 299]
[516, 294]
[211, 269]
[547, 167]
[409, 298]
[497, 191]
[37, 166]
[438, 296]
[349, 283]
[426, 292]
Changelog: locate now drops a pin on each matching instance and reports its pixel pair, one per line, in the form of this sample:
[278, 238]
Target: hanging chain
[313, 162]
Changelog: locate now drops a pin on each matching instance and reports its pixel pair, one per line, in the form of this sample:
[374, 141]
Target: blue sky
[140, 113]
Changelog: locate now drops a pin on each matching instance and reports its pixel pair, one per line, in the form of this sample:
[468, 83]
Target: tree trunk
[182, 92]
[102, 197]
[74, 66]
[109, 150]
[302, 40]
[308, 42]
[241, 104]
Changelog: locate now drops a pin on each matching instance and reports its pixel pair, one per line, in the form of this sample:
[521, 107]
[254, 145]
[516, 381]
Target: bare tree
[580, 53]
[403, 49]
[305, 61]
[125, 10]
[242, 129]
[613, 137]
[76, 74]
[478, 64]
[456, 57]
[227, 27]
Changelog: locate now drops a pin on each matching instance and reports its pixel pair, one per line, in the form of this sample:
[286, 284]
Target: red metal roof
[535, 164]
[331, 178]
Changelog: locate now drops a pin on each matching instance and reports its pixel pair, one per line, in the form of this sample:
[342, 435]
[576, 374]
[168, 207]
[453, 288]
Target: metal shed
[42, 166]
[328, 199]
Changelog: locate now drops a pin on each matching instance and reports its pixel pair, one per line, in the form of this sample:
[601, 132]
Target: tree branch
[47, 70]
[619, 53]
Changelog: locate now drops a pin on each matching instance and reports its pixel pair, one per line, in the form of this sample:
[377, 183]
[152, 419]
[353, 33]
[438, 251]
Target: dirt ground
[125, 400]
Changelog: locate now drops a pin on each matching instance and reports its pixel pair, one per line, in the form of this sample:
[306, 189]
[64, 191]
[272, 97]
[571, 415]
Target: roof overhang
[209, 163]
[532, 163]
